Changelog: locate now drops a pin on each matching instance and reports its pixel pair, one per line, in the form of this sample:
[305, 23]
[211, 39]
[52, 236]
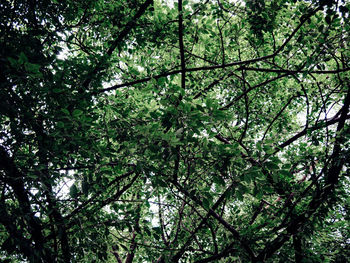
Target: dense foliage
[161, 131]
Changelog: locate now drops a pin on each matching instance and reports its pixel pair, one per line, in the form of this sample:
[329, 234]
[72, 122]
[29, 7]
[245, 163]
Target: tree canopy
[174, 131]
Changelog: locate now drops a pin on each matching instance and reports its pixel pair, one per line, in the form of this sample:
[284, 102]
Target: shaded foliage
[189, 131]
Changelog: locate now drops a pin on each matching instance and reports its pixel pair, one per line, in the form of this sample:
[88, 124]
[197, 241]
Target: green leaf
[65, 111]
[57, 90]
[239, 195]
[73, 191]
[160, 182]
[157, 230]
[60, 124]
[275, 177]
[22, 58]
[92, 93]
[14, 63]
[206, 203]
[219, 180]
[77, 113]
[34, 68]
[147, 231]
[272, 166]
[85, 188]
[285, 173]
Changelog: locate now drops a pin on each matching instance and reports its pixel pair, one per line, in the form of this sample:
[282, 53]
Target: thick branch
[14, 178]
[305, 131]
[8, 222]
[331, 176]
[224, 253]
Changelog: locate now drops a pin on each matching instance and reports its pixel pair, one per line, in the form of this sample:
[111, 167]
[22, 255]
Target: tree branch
[14, 178]
[222, 221]
[236, 63]
[128, 27]
[97, 194]
[286, 71]
[331, 179]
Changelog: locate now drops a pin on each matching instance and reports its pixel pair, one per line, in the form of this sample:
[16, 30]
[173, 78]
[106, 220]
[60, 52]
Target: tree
[189, 131]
